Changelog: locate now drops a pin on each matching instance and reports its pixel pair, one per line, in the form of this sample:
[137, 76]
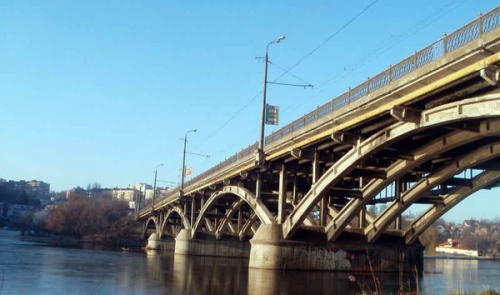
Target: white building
[455, 247]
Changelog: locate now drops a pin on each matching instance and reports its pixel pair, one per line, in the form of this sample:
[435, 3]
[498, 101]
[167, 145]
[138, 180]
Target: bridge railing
[468, 33]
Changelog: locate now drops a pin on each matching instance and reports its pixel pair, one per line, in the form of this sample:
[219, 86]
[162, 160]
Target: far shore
[62, 241]
[462, 257]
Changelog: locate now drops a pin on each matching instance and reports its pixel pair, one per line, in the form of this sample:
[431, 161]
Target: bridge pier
[270, 251]
[156, 243]
[208, 246]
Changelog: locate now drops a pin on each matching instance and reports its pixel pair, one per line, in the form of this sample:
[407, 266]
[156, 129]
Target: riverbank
[461, 257]
[67, 241]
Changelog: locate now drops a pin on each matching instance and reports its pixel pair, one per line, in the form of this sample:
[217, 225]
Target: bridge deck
[456, 58]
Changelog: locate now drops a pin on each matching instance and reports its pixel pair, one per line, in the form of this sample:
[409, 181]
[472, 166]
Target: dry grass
[377, 288]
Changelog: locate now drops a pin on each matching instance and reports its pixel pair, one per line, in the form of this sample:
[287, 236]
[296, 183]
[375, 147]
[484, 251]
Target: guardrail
[472, 31]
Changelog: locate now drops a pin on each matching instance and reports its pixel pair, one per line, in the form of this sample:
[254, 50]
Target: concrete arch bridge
[425, 131]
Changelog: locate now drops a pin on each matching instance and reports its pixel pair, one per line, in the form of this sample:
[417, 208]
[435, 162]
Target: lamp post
[184, 163]
[260, 149]
[154, 185]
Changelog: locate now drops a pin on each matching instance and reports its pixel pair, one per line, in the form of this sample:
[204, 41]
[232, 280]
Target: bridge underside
[312, 212]
[432, 140]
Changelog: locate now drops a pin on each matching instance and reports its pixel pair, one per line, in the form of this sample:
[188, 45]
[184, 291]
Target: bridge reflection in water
[217, 275]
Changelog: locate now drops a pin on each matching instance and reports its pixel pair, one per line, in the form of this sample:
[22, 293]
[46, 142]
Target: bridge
[424, 131]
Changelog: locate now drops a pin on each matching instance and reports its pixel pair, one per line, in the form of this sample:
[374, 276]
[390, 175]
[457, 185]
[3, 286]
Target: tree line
[96, 220]
[100, 221]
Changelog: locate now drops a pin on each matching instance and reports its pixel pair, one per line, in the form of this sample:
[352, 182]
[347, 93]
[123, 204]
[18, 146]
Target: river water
[28, 267]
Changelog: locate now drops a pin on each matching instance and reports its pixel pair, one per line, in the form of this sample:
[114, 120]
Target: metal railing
[472, 31]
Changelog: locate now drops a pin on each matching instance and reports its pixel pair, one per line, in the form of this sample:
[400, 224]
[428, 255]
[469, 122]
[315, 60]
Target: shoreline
[458, 257]
[65, 241]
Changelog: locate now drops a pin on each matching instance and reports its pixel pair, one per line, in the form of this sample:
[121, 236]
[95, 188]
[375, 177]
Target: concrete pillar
[362, 218]
[323, 204]
[270, 251]
[258, 186]
[182, 242]
[240, 220]
[282, 196]
[206, 246]
[193, 209]
[295, 189]
[153, 242]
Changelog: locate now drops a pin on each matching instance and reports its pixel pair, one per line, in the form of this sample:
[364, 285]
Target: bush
[96, 220]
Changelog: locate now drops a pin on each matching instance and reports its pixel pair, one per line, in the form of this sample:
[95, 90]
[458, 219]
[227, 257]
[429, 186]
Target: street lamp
[184, 163]
[260, 149]
[154, 185]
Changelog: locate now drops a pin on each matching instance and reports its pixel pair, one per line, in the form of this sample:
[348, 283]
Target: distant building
[471, 223]
[129, 195]
[33, 189]
[16, 210]
[126, 194]
[40, 189]
[145, 189]
[3, 210]
[77, 192]
[455, 247]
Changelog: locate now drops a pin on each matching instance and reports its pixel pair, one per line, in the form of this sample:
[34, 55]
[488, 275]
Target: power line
[229, 120]
[329, 38]
[382, 48]
[287, 71]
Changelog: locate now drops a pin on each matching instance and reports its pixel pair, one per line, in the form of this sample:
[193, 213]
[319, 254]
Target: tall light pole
[260, 149]
[154, 185]
[184, 163]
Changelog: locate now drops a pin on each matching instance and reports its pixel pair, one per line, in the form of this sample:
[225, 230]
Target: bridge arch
[433, 148]
[474, 108]
[473, 158]
[426, 219]
[220, 229]
[245, 196]
[181, 216]
[150, 224]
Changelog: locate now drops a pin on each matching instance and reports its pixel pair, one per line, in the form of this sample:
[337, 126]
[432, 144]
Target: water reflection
[448, 275]
[33, 269]
[268, 282]
[211, 275]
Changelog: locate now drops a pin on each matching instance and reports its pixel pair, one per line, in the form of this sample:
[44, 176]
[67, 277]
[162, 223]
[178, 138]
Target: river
[28, 267]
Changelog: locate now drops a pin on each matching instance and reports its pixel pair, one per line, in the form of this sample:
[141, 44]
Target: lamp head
[194, 130]
[281, 38]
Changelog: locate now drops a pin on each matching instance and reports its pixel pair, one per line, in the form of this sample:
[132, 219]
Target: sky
[105, 91]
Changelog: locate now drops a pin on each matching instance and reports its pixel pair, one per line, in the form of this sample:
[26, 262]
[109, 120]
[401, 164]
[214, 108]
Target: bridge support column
[153, 242]
[270, 251]
[208, 246]
[156, 243]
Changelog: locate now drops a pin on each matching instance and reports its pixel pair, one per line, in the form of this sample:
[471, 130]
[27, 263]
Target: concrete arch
[426, 219]
[397, 169]
[248, 197]
[247, 226]
[422, 154]
[478, 156]
[175, 210]
[473, 108]
[147, 225]
[227, 219]
[242, 233]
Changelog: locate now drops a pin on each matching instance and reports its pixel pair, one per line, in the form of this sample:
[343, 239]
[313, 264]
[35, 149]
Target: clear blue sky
[104, 90]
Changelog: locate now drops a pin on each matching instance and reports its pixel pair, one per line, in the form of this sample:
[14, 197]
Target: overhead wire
[330, 37]
[382, 48]
[291, 68]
